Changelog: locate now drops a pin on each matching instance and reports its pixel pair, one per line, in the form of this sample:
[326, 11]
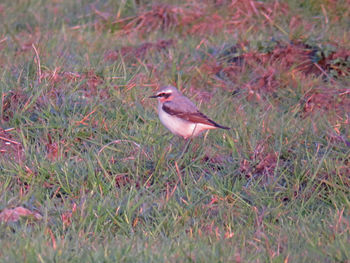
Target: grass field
[89, 174]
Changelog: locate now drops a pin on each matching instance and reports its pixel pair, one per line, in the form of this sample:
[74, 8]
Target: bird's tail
[222, 127]
[219, 126]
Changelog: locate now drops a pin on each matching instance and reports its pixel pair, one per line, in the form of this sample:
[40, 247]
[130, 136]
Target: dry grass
[89, 174]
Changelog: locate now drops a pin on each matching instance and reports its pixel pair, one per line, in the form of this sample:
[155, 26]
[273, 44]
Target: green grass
[89, 154]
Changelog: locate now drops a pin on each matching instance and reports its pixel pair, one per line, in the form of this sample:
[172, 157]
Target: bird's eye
[165, 95]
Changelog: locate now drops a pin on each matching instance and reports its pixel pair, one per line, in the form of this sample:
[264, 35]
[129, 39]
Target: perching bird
[180, 115]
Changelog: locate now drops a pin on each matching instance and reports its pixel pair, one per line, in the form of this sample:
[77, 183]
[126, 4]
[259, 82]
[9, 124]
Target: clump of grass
[96, 177]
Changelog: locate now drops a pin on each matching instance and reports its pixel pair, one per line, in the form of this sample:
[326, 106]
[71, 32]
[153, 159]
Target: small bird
[180, 115]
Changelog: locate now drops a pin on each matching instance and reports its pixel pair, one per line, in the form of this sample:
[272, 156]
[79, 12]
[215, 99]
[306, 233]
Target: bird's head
[166, 93]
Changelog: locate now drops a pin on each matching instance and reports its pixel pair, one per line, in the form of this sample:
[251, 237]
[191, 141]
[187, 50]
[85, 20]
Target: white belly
[181, 127]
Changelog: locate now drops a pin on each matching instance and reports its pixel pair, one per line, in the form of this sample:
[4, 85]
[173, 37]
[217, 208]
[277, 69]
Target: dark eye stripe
[165, 95]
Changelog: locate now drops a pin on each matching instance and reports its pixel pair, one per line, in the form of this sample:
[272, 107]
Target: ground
[89, 174]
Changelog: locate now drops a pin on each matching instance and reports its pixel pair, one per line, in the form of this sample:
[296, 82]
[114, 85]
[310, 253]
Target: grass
[82, 149]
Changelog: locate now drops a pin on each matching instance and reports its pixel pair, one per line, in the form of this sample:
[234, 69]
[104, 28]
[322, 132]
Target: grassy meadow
[89, 174]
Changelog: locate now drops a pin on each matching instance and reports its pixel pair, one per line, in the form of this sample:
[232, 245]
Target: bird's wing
[188, 112]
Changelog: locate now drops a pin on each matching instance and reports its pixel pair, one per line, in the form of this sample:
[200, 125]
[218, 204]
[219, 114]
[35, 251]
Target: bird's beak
[153, 97]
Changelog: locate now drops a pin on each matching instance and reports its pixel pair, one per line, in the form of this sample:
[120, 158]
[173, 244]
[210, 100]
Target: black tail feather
[218, 125]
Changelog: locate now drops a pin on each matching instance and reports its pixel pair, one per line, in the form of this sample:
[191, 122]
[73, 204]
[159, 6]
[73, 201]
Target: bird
[180, 115]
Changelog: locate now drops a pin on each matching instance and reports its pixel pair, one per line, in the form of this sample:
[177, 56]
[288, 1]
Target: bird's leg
[173, 143]
[187, 143]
